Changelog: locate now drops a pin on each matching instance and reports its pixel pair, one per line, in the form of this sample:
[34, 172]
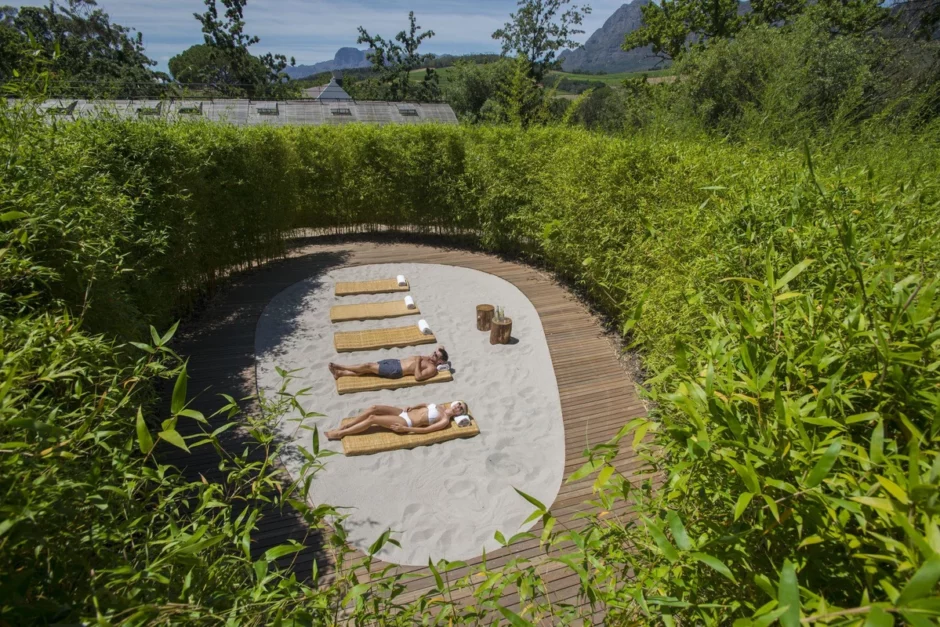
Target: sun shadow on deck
[220, 345]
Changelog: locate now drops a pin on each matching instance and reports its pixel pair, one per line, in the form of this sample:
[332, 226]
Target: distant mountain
[602, 52]
[345, 59]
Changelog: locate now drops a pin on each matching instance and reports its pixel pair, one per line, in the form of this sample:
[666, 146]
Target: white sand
[446, 500]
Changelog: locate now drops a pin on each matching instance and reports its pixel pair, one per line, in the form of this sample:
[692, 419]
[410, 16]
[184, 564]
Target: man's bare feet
[334, 370]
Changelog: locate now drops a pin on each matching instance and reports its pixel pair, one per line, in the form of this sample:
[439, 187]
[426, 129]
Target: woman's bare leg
[370, 421]
[375, 410]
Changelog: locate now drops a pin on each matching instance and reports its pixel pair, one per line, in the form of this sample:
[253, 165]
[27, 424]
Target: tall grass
[786, 314]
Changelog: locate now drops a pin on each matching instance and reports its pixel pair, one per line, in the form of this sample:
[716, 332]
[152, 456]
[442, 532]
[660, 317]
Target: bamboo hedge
[784, 302]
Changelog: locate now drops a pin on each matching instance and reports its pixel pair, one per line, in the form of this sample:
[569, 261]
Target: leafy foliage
[539, 29]
[85, 52]
[394, 60]
[673, 27]
[229, 65]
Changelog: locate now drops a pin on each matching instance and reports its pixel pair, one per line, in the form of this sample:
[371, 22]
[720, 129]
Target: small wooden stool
[500, 331]
[484, 317]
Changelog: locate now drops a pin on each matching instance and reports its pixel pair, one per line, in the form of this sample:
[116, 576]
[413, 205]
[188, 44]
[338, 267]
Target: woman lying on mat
[415, 419]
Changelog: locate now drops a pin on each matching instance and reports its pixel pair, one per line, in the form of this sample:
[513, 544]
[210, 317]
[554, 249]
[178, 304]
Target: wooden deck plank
[597, 396]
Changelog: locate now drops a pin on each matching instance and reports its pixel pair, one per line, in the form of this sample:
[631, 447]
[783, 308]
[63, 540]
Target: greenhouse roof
[254, 112]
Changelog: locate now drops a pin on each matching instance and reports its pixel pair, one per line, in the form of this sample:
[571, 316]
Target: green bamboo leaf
[868, 416]
[261, 569]
[824, 465]
[585, 470]
[179, 391]
[877, 446]
[743, 501]
[917, 619]
[514, 619]
[716, 564]
[154, 336]
[532, 499]
[679, 533]
[661, 541]
[893, 489]
[356, 592]
[922, 583]
[282, 550]
[144, 441]
[788, 596]
[173, 437]
[11, 215]
[792, 273]
[380, 542]
[747, 476]
[877, 617]
[437, 576]
[786, 296]
[169, 334]
[603, 477]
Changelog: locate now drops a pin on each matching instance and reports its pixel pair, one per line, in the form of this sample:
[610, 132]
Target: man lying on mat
[422, 367]
[416, 419]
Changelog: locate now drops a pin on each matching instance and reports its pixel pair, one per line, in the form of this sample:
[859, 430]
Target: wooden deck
[597, 395]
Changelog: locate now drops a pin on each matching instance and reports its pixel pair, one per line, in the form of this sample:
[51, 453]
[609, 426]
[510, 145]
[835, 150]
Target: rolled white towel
[424, 327]
[462, 421]
[401, 280]
[444, 366]
[409, 302]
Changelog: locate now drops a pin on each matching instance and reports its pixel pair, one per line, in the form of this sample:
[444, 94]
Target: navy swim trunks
[390, 368]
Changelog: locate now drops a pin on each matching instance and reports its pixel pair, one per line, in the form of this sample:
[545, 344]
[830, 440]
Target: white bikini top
[433, 413]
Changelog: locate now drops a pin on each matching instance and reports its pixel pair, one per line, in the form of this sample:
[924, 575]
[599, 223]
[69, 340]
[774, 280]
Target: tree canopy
[83, 51]
[394, 59]
[672, 27]
[539, 29]
[226, 62]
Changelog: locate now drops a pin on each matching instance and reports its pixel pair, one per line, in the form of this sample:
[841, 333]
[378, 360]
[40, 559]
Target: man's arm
[424, 369]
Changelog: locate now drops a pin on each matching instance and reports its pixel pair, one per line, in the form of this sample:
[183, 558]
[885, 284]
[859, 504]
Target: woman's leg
[375, 410]
[371, 421]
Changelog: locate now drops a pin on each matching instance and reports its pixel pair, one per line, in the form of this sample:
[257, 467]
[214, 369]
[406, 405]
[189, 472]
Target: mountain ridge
[602, 51]
[346, 58]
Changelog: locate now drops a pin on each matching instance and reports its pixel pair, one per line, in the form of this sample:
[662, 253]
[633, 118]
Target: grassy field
[443, 75]
[612, 79]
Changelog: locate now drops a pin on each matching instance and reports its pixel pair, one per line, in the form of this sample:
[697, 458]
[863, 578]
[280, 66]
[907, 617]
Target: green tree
[87, 54]
[519, 100]
[394, 60]
[471, 85]
[539, 29]
[230, 66]
[673, 27]
[11, 43]
[205, 65]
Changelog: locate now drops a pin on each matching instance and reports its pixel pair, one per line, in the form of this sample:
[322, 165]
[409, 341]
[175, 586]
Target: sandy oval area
[446, 500]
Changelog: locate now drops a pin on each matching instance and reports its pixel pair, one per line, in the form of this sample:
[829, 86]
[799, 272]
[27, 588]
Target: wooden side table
[485, 315]
[500, 331]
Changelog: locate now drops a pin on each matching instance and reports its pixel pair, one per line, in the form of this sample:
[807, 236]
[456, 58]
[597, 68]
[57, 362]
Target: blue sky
[312, 30]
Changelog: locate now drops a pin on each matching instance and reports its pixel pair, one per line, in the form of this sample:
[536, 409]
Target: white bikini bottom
[406, 418]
